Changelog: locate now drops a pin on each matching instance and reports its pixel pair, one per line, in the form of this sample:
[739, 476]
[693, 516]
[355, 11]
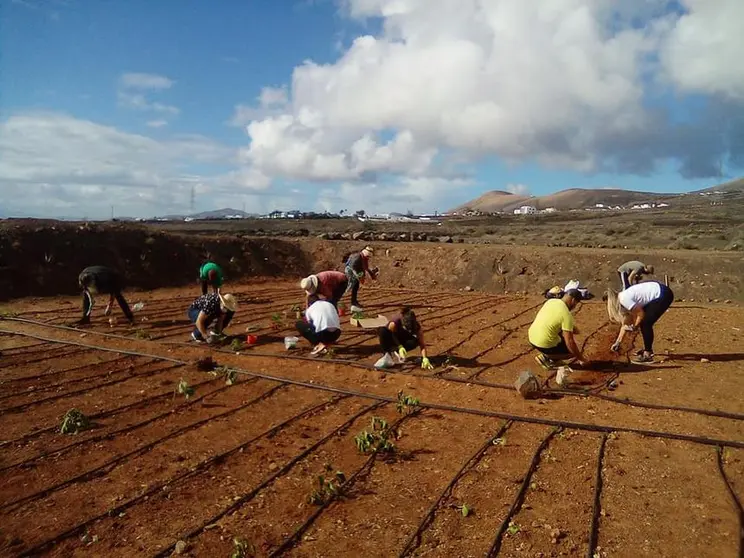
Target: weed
[73, 422]
[183, 388]
[499, 441]
[465, 510]
[330, 486]
[236, 345]
[8, 314]
[406, 404]
[142, 334]
[242, 548]
[513, 528]
[377, 439]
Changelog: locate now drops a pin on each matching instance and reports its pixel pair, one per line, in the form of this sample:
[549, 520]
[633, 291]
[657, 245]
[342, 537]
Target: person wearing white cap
[211, 310]
[326, 285]
[357, 266]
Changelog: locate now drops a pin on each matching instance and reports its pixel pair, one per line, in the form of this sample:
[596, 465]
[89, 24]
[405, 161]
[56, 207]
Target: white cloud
[271, 101]
[54, 164]
[145, 81]
[518, 189]
[157, 123]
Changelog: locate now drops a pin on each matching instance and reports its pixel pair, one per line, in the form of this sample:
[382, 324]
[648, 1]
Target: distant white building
[525, 210]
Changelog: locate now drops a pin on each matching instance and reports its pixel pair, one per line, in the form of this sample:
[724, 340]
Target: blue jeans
[193, 315]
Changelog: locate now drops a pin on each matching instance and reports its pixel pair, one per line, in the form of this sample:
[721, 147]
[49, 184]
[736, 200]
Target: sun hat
[228, 302]
[309, 284]
[368, 250]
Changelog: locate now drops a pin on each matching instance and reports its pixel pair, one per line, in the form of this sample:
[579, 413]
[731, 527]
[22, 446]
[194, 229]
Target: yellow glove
[425, 364]
[402, 353]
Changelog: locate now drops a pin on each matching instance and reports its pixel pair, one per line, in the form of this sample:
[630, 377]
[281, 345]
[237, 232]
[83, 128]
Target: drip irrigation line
[597, 505]
[158, 488]
[292, 540]
[453, 408]
[519, 498]
[104, 468]
[24, 406]
[284, 469]
[185, 405]
[41, 359]
[415, 541]
[734, 497]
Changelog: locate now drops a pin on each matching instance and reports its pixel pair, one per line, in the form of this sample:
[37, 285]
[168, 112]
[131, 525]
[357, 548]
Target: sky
[381, 105]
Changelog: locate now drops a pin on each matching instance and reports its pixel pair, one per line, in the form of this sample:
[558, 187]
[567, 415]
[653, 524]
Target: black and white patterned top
[208, 303]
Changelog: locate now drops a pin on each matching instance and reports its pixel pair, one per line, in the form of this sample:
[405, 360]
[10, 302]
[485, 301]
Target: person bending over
[210, 275]
[639, 307]
[322, 328]
[211, 310]
[553, 330]
[357, 266]
[326, 285]
[103, 280]
[402, 334]
[632, 272]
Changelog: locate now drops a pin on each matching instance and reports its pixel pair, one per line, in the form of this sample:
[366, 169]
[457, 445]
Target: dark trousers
[560, 349]
[88, 305]
[327, 336]
[624, 279]
[193, 315]
[353, 285]
[387, 340]
[651, 314]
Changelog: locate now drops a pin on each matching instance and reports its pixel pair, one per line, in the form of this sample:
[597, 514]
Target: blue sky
[135, 103]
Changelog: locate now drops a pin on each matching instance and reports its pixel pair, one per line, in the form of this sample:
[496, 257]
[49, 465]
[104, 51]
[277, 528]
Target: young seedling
[465, 510]
[297, 311]
[406, 404]
[142, 334]
[357, 315]
[276, 321]
[329, 486]
[242, 548]
[377, 439]
[231, 376]
[8, 314]
[499, 441]
[513, 528]
[73, 422]
[183, 388]
[236, 345]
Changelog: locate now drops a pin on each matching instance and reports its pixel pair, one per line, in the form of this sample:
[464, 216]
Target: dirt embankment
[44, 259]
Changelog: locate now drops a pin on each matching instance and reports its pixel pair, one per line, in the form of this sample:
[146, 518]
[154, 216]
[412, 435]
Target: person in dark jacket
[100, 279]
[402, 334]
[357, 267]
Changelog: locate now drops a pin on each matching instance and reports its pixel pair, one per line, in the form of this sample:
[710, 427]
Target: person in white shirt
[322, 327]
[639, 306]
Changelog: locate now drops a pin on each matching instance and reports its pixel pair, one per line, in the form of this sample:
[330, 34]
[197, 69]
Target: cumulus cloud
[145, 81]
[270, 102]
[54, 164]
[518, 189]
[566, 83]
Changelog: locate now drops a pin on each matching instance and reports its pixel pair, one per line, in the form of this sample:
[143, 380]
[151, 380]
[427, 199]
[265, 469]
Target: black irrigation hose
[185, 405]
[453, 408]
[41, 359]
[519, 498]
[35, 550]
[111, 463]
[735, 498]
[597, 505]
[415, 541]
[292, 540]
[81, 391]
[284, 469]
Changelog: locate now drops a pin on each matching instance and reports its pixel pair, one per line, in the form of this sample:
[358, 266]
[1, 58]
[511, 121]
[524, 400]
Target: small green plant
[183, 388]
[357, 315]
[142, 334]
[231, 376]
[297, 311]
[242, 548]
[513, 528]
[236, 345]
[73, 422]
[499, 441]
[276, 321]
[330, 486]
[465, 510]
[406, 404]
[377, 439]
[8, 314]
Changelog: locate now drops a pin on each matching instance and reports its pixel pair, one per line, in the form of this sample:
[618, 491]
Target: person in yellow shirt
[552, 332]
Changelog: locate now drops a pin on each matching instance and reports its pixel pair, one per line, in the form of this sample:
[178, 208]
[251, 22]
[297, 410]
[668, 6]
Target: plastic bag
[291, 342]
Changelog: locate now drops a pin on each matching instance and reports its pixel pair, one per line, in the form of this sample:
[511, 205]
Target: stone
[180, 548]
[468, 289]
[445, 239]
[705, 360]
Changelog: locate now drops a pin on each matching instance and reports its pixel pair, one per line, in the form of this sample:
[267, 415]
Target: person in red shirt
[357, 266]
[326, 285]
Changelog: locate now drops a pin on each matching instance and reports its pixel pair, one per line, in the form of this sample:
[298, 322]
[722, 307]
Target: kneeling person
[323, 326]
[552, 331]
[211, 310]
[402, 334]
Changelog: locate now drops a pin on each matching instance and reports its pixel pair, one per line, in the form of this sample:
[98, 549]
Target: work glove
[402, 353]
[425, 364]
[615, 348]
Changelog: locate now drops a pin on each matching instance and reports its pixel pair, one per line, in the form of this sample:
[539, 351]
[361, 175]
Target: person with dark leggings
[402, 334]
[356, 267]
[326, 285]
[322, 327]
[211, 310]
[639, 307]
[210, 275]
[103, 280]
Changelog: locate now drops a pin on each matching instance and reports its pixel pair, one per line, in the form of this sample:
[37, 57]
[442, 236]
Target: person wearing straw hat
[211, 310]
[210, 275]
[326, 285]
[357, 267]
[100, 279]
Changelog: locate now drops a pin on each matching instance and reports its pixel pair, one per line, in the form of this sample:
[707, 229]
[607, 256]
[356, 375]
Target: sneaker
[319, 350]
[355, 308]
[544, 361]
[644, 358]
[195, 338]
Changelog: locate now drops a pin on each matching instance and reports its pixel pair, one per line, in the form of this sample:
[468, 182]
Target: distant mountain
[215, 214]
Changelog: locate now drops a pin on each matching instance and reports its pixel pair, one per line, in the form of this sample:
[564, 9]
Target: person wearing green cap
[210, 275]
